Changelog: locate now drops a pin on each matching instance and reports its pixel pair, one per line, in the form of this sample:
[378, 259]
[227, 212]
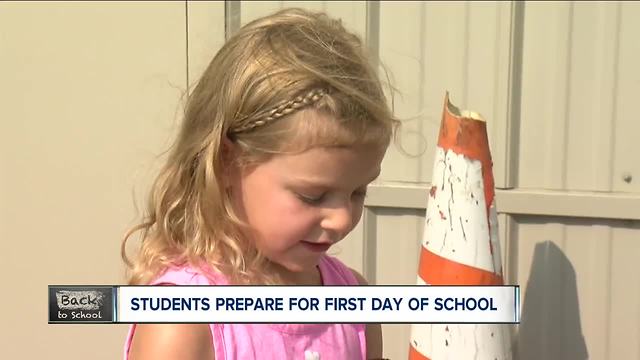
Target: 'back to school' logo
[85, 304]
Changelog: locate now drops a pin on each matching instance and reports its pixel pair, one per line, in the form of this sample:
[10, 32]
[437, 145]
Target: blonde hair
[259, 92]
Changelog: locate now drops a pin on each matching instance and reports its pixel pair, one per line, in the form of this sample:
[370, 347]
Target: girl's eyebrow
[322, 183]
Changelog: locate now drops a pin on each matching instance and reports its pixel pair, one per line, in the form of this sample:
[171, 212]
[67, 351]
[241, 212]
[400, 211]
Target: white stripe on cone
[456, 223]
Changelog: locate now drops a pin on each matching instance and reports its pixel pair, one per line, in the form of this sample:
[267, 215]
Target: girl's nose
[338, 220]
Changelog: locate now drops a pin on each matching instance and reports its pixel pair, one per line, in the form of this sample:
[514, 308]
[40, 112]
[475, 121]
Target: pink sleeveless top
[277, 341]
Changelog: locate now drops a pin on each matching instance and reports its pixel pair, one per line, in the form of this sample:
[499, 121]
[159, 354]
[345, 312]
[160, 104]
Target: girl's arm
[171, 341]
[373, 332]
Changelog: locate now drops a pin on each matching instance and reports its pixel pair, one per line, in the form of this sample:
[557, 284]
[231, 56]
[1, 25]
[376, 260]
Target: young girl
[281, 136]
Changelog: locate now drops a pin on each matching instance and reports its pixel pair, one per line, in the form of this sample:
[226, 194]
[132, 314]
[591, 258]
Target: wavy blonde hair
[257, 92]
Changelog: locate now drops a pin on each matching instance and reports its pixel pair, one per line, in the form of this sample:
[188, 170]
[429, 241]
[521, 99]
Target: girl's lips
[316, 247]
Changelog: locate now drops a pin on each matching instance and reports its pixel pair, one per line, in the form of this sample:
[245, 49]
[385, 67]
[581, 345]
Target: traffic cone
[460, 244]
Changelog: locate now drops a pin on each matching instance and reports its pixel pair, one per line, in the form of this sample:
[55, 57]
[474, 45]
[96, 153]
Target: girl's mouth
[316, 247]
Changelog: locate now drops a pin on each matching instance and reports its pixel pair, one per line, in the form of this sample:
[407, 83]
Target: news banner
[386, 304]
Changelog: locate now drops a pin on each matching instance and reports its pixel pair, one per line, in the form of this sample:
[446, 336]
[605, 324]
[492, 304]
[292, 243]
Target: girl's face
[300, 205]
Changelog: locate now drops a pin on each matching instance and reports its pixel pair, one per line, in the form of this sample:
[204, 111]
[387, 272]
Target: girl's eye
[311, 199]
[315, 200]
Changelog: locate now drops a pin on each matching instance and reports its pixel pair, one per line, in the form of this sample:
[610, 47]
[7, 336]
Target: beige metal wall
[90, 95]
[556, 83]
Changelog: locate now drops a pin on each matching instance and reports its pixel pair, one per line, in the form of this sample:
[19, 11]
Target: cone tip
[455, 111]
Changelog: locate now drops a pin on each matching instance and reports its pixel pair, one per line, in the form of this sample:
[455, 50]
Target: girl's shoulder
[179, 341]
[334, 272]
[188, 274]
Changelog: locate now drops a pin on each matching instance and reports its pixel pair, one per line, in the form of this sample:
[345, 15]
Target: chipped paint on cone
[460, 245]
[457, 215]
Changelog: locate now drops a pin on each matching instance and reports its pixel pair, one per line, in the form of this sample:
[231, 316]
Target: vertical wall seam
[422, 38]
[369, 241]
[607, 329]
[372, 31]
[514, 96]
[465, 55]
[186, 31]
[567, 97]
[369, 246]
[614, 115]
[614, 93]
[232, 13]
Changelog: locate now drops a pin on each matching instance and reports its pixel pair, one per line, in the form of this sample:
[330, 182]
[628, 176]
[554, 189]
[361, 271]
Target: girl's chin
[298, 261]
[300, 274]
[295, 268]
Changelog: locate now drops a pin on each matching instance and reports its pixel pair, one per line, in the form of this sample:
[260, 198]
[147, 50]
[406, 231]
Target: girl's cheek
[304, 213]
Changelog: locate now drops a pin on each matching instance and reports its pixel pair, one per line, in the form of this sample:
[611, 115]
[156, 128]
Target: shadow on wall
[550, 323]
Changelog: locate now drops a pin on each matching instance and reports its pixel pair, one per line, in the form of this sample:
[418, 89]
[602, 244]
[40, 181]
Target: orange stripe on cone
[415, 355]
[436, 270]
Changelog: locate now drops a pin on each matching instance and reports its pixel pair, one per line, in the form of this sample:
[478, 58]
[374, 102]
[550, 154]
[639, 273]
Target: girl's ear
[228, 150]
[229, 164]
